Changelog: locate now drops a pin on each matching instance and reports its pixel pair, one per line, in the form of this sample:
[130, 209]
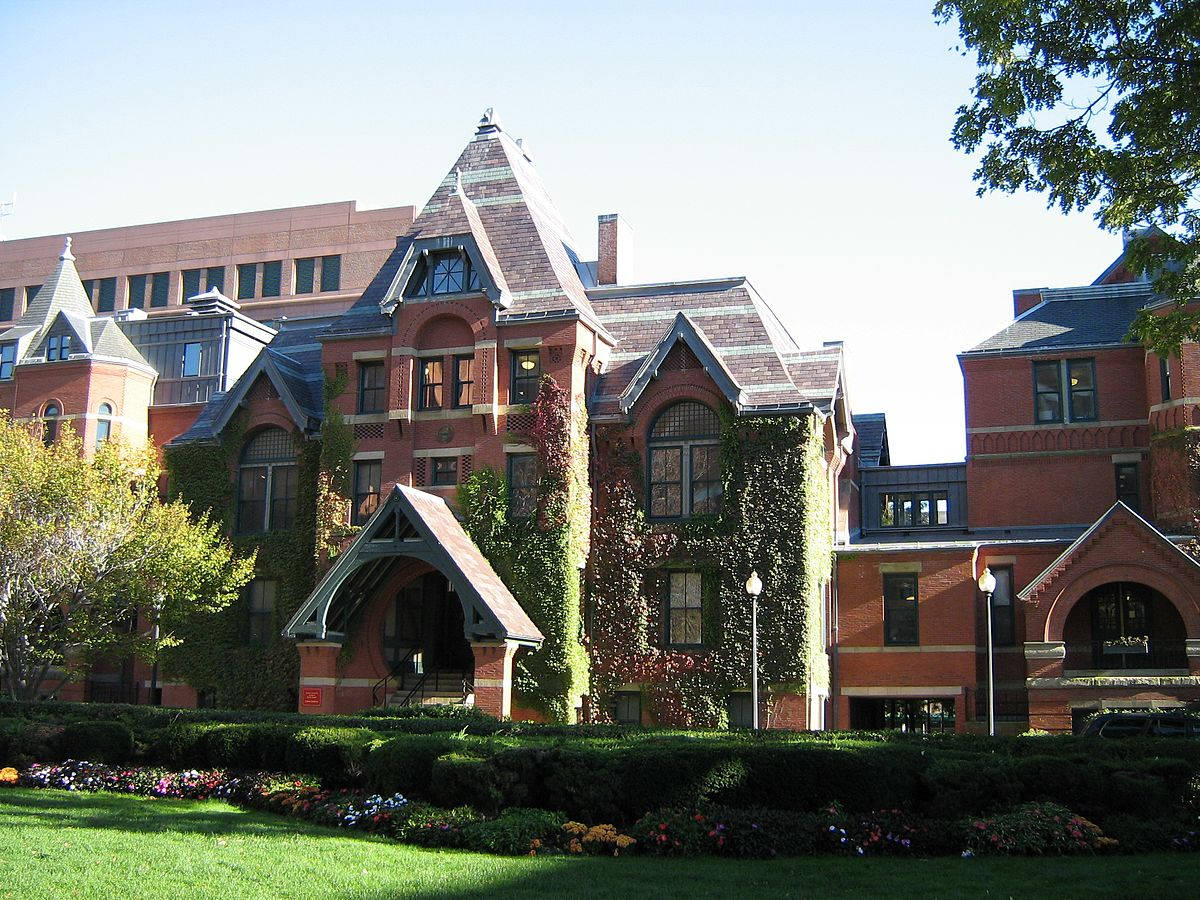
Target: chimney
[614, 250]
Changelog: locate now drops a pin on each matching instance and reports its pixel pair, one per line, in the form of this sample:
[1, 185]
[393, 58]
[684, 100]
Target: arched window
[104, 423]
[684, 462]
[443, 272]
[267, 483]
[50, 423]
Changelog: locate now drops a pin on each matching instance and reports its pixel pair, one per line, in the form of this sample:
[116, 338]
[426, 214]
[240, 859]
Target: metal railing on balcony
[1127, 653]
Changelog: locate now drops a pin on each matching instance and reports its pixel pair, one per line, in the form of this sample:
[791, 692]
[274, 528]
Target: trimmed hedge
[404, 765]
[334, 755]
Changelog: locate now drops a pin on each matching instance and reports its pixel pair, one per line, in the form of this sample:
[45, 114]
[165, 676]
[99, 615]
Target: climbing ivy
[215, 656]
[775, 519]
[540, 557]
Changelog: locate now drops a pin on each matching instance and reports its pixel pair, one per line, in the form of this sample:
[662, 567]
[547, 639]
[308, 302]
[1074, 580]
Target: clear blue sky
[804, 145]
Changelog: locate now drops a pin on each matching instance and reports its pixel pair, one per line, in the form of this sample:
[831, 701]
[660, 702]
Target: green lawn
[57, 844]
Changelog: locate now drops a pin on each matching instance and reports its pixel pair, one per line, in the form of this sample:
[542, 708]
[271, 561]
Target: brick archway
[1170, 588]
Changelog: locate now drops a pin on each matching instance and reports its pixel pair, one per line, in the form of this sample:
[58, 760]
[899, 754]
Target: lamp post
[754, 587]
[987, 586]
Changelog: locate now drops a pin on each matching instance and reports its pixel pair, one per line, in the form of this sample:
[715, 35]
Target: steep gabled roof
[60, 303]
[689, 333]
[1162, 550]
[414, 524]
[292, 364]
[727, 323]
[494, 194]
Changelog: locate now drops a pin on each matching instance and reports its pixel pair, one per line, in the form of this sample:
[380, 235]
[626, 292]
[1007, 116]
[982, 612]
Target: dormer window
[443, 272]
[58, 347]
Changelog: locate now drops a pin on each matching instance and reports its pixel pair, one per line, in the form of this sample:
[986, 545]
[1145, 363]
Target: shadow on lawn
[127, 813]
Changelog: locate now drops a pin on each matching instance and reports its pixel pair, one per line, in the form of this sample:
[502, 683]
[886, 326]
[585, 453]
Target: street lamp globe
[754, 584]
[987, 582]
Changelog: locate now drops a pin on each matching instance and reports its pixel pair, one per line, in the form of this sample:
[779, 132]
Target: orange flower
[8, 775]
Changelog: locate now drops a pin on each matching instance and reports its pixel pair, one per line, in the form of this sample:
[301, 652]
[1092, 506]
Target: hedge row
[607, 781]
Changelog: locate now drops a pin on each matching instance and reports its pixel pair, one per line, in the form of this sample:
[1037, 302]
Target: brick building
[1075, 493]
[605, 577]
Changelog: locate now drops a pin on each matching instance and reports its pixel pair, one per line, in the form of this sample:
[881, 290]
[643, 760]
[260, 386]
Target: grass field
[57, 844]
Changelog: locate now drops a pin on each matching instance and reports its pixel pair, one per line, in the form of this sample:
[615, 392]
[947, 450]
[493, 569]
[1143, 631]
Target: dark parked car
[1137, 724]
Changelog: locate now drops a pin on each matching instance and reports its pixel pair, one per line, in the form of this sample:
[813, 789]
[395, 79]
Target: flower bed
[1028, 829]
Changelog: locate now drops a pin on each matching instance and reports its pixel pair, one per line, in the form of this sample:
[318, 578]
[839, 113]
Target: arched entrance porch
[414, 562]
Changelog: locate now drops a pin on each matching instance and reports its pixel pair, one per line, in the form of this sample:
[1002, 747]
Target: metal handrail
[382, 683]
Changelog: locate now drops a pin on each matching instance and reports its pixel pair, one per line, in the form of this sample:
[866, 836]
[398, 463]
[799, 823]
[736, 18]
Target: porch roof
[413, 524]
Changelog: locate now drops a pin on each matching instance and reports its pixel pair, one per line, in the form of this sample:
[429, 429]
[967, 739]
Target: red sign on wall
[310, 696]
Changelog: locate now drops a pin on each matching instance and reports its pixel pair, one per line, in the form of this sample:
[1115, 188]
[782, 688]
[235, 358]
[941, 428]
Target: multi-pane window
[267, 483]
[445, 272]
[1064, 390]
[913, 509]
[1164, 376]
[263, 279]
[684, 609]
[372, 387]
[8, 302]
[260, 610]
[103, 423]
[1129, 490]
[526, 376]
[463, 379]
[306, 272]
[102, 292]
[149, 290]
[900, 609]
[197, 281]
[330, 274]
[8, 359]
[522, 485]
[368, 477]
[192, 356]
[627, 707]
[429, 393]
[58, 346]
[445, 470]
[685, 462]
[1004, 622]
[50, 423]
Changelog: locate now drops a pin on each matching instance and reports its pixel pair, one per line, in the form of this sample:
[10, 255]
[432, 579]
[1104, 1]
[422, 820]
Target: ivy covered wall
[775, 519]
[541, 557]
[215, 655]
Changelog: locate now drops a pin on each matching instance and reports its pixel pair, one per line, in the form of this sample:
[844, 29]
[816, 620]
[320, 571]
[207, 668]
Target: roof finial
[488, 122]
[67, 254]
[458, 188]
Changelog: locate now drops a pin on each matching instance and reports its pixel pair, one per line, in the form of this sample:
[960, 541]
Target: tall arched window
[50, 423]
[684, 462]
[267, 482]
[104, 423]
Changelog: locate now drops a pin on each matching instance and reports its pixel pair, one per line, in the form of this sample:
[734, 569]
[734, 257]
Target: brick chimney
[614, 250]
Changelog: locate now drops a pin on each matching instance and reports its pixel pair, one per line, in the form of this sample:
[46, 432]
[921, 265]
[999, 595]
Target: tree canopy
[1095, 103]
[91, 561]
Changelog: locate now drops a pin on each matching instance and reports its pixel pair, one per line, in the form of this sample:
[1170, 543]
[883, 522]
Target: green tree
[92, 564]
[1095, 103]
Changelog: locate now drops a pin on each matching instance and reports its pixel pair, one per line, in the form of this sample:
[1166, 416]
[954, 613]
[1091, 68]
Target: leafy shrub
[1135, 834]
[247, 747]
[404, 764]
[514, 832]
[36, 742]
[335, 755]
[1034, 829]
[458, 780]
[182, 744]
[105, 742]
[431, 826]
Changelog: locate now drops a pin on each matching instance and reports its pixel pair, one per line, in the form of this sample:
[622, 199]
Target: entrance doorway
[423, 643]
